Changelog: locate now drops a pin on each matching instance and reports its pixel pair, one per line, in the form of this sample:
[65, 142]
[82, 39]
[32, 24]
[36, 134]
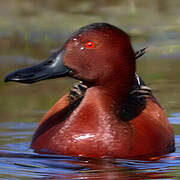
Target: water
[30, 30]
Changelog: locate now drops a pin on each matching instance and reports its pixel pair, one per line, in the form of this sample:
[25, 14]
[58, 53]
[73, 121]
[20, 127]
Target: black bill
[53, 67]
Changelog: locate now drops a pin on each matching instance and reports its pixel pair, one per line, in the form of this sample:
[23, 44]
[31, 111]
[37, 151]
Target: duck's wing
[140, 52]
[136, 100]
[58, 112]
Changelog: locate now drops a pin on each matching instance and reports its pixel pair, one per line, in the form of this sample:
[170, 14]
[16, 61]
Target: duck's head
[95, 54]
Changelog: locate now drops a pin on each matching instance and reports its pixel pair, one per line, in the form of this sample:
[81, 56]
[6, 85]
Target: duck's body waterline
[93, 127]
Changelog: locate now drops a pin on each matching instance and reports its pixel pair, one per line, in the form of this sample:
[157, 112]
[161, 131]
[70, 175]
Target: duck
[108, 118]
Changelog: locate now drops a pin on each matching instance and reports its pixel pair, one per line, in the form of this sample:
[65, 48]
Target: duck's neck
[112, 93]
[117, 82]
[109, 94]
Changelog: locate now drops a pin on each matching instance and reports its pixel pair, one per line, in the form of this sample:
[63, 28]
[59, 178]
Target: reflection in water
[57, 167]
[29, 30]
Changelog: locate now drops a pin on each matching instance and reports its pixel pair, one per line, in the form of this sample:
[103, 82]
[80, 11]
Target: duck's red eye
[90, 44]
